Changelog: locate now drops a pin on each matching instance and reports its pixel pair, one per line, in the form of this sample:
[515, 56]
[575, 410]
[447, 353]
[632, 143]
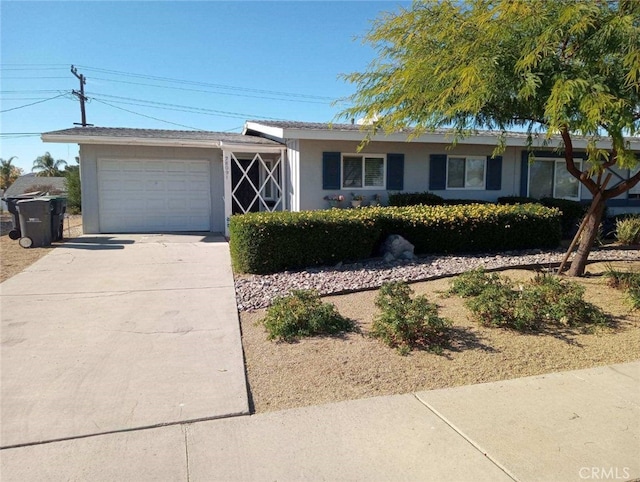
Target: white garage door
[154, 196]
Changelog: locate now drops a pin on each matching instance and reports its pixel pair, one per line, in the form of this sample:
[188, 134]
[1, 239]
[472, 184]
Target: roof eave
[539, 142]
[128, 141]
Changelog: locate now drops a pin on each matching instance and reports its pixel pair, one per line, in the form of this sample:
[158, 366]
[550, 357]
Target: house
[32, 182]
[143, 180]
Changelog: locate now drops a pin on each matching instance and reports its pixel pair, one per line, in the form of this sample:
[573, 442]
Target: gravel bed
[257, 291]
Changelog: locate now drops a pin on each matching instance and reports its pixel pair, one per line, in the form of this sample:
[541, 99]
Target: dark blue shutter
[395, 172]
[494, 173]
[330, 170]
[437, 172]
[524, 174]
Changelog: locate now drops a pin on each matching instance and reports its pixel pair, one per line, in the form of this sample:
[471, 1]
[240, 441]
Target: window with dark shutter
[494, 173]
[395, 172]
[330, 170]
[437, 172]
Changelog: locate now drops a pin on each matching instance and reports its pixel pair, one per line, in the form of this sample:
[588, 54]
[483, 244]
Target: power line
[32, 78]
[29, 91]
[11, 99]
[210, 92]
[33, 103]
[174, 107]
[31, 68]
[32, 65]
[147, 116]
[205, 84]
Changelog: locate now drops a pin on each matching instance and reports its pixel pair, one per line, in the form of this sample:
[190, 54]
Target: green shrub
[406, 323]
[271, 242]
[547, 300]
[510, 200]
[629, 281]
[572, 213]
[628, 230]
[303, 314]
[473, 283]
[494, 306]
[414, 199]
[473, 228]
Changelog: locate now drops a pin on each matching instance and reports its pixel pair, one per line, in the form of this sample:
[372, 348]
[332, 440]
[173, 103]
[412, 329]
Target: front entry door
[245, 199]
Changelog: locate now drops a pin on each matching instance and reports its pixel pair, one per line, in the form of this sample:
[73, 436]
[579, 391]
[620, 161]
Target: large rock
[396, 247]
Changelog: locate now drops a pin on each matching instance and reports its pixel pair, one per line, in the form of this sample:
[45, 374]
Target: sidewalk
[580, 425]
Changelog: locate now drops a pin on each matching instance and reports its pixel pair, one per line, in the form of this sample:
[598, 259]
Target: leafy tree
[561, 68]
[8, 172]
[47, 166]
[72, 185]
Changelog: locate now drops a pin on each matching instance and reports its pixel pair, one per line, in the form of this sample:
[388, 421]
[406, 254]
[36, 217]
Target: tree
[557, 67]
[47, 166]
[8, 172]
[72, 185]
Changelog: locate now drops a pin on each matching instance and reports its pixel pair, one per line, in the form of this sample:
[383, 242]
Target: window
[363, 171]
[550, 178]
[466, 172]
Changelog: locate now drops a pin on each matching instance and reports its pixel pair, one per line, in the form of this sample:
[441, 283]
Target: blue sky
[206, 64]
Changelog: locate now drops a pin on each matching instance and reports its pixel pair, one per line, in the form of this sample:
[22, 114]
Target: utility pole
[80, 95]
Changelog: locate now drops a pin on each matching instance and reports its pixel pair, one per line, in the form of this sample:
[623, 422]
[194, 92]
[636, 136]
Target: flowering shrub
[334, 197]
[271, 242]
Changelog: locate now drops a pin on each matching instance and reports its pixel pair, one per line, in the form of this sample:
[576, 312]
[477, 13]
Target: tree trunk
[589, 235]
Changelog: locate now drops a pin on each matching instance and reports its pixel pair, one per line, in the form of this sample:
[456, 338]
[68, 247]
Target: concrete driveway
[113, 333]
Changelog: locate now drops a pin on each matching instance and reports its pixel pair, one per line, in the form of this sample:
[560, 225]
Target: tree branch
[571, 165]
[623, 187]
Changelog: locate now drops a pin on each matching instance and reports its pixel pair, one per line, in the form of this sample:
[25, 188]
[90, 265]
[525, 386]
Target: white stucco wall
[416, 169]
[90, 154]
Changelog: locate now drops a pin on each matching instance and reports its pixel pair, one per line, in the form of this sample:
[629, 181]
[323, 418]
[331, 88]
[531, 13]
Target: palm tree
[47, 166]
[8, 172]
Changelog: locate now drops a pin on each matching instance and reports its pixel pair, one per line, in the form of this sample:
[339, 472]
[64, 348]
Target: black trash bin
[58, 210]
[12, 202]
[35, 222]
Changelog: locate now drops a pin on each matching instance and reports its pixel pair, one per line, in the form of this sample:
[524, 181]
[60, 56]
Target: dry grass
[320, 370]
[14, 259]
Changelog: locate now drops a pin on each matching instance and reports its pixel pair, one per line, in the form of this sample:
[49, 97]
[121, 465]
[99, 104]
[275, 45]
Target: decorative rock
[258, 291]
[397, 246]
[389, 258]
[408, 255]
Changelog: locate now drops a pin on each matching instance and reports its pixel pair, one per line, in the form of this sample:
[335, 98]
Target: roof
[282, 130]
[154, 137]
[25, 183]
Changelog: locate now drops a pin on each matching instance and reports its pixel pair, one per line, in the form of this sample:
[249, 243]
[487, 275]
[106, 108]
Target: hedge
[271, 242]
[414, 198]
[572, 211]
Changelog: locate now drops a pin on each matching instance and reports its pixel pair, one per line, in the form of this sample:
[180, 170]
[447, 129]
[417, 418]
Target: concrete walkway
[571, 426]
[106, 334]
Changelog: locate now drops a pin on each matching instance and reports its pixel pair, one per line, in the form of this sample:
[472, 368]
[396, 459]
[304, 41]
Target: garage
[158, 181]
[154, 195]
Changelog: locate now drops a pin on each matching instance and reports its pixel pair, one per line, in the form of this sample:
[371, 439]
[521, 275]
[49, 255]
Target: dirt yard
[321, 370]
[14, 259]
